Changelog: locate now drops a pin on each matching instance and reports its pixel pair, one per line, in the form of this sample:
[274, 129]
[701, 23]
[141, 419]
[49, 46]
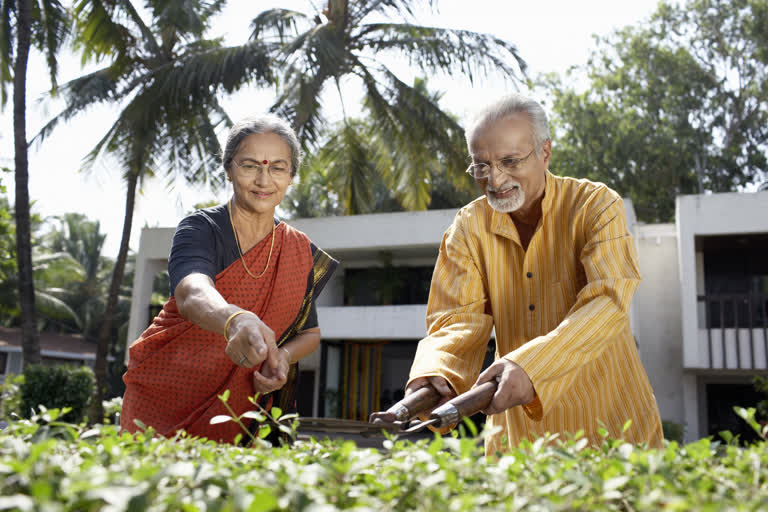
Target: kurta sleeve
[458, 327]
[600, 313]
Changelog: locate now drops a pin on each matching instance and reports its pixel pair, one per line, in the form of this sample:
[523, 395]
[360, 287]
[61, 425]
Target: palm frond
[361, 9]
[448, 50]
[423, 120]
[50, 28]
[202, 74]
[350, 167]
[80, 94]
[300, 104]
[277, 22]
[104, 30]
[61, 261]
[192, 146]
[147, 37]
[409, 124]
[52, 307]
[210, 9]
[182, 19]
[6, 48]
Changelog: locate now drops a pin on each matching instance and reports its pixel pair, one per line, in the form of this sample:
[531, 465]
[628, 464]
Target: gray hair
[507, 106]
[262, 123]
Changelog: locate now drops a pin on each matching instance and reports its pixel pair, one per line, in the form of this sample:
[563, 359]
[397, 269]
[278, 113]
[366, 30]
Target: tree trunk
[30, 340]
[102, 347]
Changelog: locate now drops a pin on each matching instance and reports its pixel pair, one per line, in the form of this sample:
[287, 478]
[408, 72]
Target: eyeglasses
[277, 170]
[508, 165]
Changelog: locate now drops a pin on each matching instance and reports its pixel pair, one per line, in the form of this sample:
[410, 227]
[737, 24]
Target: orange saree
[176, 370]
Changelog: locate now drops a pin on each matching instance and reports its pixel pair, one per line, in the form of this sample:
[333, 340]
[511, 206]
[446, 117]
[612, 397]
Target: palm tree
[166, 79]
[81, 284]
[44, 24]
[52, 271]
[341, 45]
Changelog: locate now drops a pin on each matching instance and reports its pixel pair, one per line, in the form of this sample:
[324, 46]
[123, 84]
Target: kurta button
[531, 307]
[529, 274]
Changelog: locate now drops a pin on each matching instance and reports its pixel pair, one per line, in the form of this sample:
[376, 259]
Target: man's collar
[549, 192]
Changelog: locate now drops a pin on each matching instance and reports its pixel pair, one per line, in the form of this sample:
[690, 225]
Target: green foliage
[49, 28]
[407, 137]
[49, 465]
[676, 105]
[761, 385]
[46, 266]
[112, 409]
[9, 305]
[10, 397]
[57, 387]
[362, 168]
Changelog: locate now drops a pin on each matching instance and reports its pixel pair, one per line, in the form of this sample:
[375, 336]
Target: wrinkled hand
[439, 383]
[273, 374]
[514, 388]
[250, 337]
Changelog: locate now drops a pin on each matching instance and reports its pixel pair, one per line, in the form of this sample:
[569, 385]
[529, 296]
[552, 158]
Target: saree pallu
[176, 370]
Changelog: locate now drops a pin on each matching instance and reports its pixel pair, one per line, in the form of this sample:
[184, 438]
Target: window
[388, 285]
[736, 281]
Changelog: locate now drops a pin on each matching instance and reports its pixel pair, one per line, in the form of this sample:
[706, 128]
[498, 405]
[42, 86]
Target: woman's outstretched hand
[250, 341]
[273, 374]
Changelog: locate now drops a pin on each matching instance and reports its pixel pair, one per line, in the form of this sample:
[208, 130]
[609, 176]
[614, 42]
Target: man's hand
[515, 387]
[439, 383]
[273, 373]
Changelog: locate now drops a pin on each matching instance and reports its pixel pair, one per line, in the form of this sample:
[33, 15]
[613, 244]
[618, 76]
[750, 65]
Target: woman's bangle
[226, 324]
[289, 354]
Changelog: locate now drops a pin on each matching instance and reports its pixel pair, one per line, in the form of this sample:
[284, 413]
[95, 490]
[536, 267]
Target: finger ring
[244, 359]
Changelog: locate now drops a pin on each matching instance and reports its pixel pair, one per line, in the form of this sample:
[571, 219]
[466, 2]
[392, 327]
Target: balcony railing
[737, 326]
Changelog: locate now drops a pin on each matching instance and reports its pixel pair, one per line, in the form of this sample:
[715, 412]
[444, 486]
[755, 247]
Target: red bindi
[265, 162]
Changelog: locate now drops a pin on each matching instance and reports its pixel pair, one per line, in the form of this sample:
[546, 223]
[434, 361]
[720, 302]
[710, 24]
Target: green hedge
[46, 465]
[57, 387]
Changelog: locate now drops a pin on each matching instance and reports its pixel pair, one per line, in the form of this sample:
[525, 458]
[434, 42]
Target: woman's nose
[262, 177]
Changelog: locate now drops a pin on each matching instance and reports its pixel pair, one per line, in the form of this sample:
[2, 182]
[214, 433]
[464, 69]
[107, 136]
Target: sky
[552, 36]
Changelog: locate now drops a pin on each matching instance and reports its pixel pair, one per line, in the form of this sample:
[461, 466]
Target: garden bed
[46, 465]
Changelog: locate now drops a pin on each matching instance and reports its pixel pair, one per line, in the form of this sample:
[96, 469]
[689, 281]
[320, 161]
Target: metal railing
[735, 311]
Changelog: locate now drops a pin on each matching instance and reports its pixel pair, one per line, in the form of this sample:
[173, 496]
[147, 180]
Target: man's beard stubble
[507, 204]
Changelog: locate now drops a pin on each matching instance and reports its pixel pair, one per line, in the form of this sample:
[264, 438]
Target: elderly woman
[243, 298]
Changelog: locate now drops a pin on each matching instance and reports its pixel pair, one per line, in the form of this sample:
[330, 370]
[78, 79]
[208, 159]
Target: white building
[700, 315]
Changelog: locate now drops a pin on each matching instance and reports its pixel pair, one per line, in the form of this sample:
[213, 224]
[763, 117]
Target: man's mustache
[503, 189]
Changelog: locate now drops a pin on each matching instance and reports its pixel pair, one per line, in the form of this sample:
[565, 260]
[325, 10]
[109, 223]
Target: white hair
[507, 106]
[262, 123]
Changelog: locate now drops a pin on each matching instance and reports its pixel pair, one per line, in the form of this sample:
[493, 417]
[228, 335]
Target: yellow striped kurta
[560, 310]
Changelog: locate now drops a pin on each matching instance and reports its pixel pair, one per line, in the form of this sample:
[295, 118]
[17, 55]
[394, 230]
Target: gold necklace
[237, 241]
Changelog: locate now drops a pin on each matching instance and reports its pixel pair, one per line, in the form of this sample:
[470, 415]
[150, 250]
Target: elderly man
[549, 263]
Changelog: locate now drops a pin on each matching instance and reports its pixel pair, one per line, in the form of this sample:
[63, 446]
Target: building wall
[701, 216]
[658, 329]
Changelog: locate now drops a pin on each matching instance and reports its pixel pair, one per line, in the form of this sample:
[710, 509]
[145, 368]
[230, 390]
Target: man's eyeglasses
[277, 170]
[509, 165]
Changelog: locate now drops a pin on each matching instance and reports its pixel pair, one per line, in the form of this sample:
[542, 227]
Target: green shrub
[761, 385]
[48, 465]
[112, 409]
[10, 396]
[56, 387]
